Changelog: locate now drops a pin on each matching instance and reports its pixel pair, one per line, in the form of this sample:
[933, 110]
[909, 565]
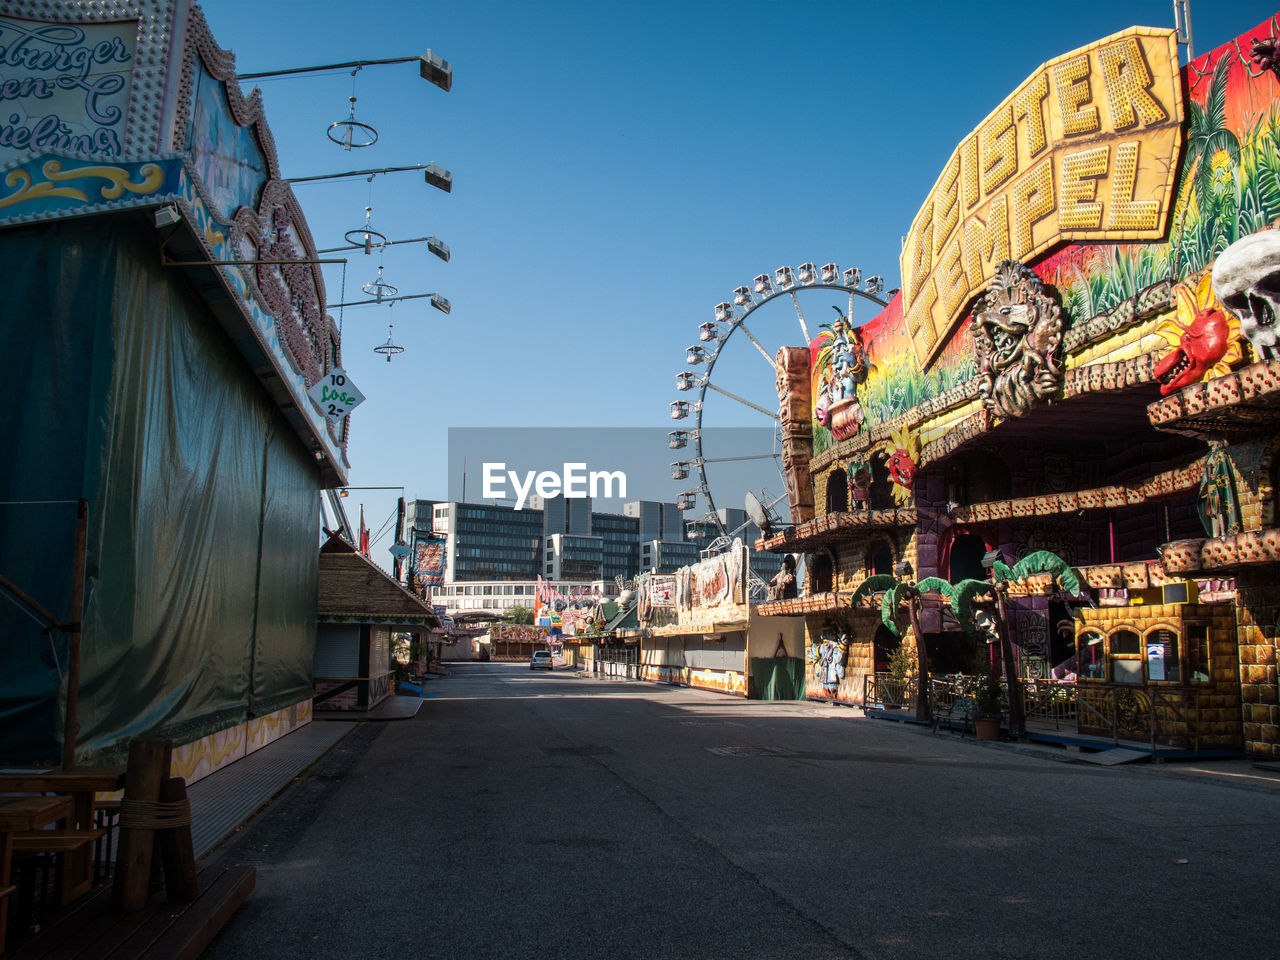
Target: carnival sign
[64, 88]
[662, 590]
[335, 394]
[1085, 149]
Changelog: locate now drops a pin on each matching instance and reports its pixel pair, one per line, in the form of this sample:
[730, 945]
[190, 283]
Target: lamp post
[431, 67]
[1017, 710]
[434, 175]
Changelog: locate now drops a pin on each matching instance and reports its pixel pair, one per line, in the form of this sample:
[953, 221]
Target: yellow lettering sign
[1048, 165]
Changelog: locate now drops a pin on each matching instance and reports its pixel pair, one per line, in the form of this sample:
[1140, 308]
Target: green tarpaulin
[777, 678]
[203, 506]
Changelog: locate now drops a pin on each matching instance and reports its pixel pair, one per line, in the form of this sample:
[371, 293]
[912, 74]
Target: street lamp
[437, 301]
[435, 175]
[431, 67]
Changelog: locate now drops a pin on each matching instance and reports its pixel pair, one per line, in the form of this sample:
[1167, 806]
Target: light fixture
[437, 70]
[431, 67]
[991, 558]
[679, 409]
[784, 278]
[438, 247]
[695, 355]
[439, 177]
[167, 215]
[853, 277]
[708, 332]
[442, 175]
[903, 569]
[875, 285]
[680, 470]
[678, 439]
[742, 296]
[724, 312]
[806, 273]
[440, 303]
[763, 285]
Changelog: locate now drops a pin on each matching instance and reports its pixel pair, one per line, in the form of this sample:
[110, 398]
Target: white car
[541, 658]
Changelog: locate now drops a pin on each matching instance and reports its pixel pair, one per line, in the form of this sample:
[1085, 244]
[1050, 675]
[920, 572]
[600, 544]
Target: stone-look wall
[860, 660]
[1254, 472]
[1258, 614]
[1203, 716]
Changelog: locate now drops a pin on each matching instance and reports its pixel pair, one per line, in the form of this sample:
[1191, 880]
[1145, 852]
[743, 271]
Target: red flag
[364, 534]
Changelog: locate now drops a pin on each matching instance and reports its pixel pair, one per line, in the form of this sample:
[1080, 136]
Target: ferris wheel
[816, 285]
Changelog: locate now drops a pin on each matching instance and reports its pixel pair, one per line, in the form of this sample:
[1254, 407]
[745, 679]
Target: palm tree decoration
[908, 594]
[1208, 135]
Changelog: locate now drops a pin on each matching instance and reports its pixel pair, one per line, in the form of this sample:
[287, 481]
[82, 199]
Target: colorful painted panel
[65, 87]
[226, 157]
[1228, 186]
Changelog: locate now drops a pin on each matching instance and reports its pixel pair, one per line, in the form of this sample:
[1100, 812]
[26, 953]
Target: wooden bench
[72, 846]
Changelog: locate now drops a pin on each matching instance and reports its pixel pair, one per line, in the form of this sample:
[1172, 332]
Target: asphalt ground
[526, 814]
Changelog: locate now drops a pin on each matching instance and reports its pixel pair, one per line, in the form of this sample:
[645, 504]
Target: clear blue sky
[619, 167]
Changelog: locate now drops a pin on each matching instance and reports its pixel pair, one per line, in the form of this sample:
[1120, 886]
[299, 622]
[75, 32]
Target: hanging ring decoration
[351, 132]
[379, 289]
[366, 236]
[390, 348]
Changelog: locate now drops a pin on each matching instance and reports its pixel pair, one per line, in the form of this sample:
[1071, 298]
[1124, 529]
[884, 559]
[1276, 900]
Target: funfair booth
[164, 320]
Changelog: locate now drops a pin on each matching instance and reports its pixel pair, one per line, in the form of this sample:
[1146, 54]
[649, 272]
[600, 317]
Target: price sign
[335, 394]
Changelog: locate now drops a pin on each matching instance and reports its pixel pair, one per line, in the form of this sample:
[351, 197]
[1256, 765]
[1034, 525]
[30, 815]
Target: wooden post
[923, 712]
[72, 723]
[148, 768]
[1017, 711]
[175, 848]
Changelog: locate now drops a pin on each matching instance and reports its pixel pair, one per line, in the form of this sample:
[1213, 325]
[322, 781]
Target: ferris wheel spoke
[763, 352]
[804, 327]
[851, 308]
[754, 456]
[748, 403]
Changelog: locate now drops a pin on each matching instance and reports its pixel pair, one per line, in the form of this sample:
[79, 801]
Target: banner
[429, 560]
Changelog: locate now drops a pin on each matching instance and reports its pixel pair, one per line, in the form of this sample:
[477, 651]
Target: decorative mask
[1017, 337]
[1246, 278]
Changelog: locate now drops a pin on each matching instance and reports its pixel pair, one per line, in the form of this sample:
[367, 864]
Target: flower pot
[986, 728]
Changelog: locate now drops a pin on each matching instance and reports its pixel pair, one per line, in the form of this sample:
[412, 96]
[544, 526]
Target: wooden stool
[72, 846]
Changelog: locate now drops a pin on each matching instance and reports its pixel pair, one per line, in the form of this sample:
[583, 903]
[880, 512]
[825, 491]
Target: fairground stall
[359, 612]
[698, 628]
[164, 321]
[1052, 458]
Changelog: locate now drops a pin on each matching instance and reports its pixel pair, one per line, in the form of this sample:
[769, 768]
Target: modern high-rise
[494, 554]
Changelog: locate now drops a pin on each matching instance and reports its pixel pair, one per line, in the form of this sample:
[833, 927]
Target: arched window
[821, 574]
[879, 558]
[837, 491]
[881, 494]
[1089, 662]
[967, 551]
[1124, 648]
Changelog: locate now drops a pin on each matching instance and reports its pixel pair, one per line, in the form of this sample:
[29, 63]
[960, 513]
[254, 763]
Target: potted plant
[987, 705]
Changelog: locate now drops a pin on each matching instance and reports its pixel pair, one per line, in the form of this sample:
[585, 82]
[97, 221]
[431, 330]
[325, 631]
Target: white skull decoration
[1246, 278]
